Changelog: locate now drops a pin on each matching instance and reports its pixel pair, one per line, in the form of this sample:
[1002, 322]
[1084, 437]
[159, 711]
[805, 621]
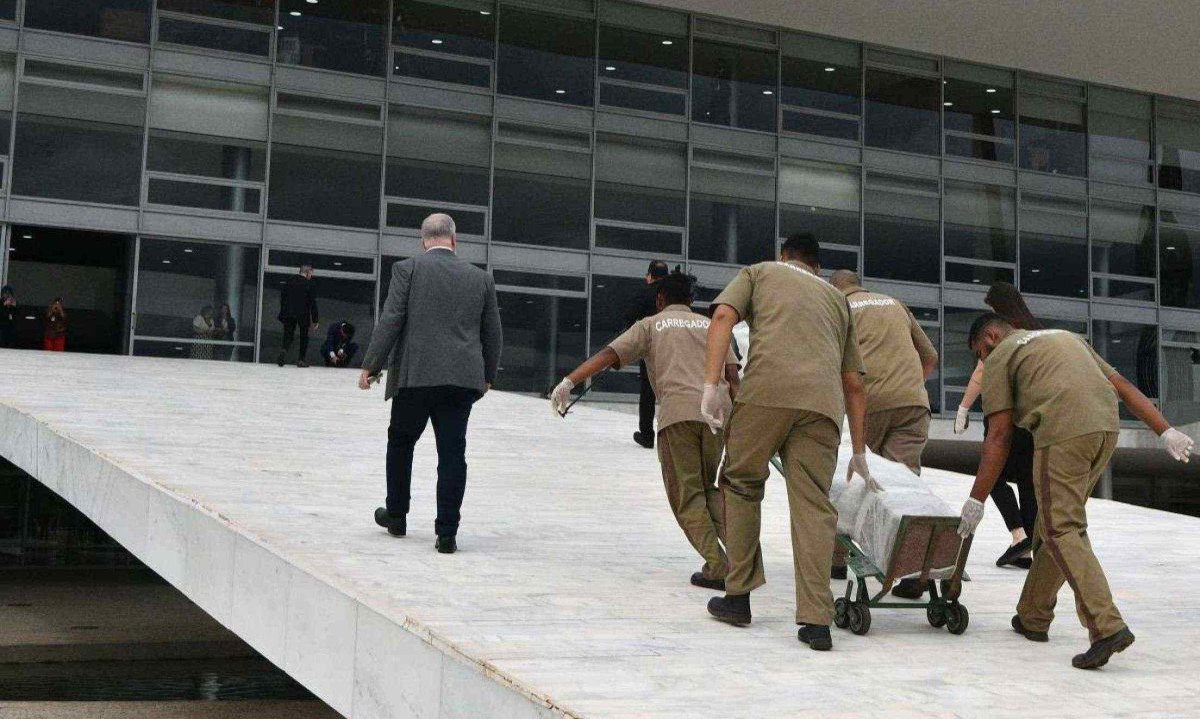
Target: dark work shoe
[837, 572]
[646, 440]
[1015, 552]
[447, 545]
[1029, 634]
[816, 636]
[301, 363]
[732, 609]
[281, 358]
[1022, 563]
[1101, 650]
[396, 525]
[699, 580]
[909, 589]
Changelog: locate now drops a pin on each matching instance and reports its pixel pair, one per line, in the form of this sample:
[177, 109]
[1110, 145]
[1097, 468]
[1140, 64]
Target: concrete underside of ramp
[251, 488]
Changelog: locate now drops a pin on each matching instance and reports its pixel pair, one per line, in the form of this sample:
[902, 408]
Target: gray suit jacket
[440, 325]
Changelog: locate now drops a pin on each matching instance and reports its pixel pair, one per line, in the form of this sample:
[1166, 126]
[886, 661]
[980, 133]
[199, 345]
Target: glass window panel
[338, 263]
[1181, 374]
[612, 299]
[901, 238]
[810, 124]
[1179, 148]
[8, 9]
[1133, 350]
[193, 349]
[640, 98]
[8, 71]
[1053, 135]
[185, 193]
[958, 362]
[734, 86]
[648, 56]
[1119, 136]
[1122, 244]
[342, 35]
[385, 275]
[822, 199]
[639, 239]
[325, 172]
[640, 180]
[217, 109]
[903, 112]
[978, 274]
[338, 300]
[410, 215]
[79, 145]
[466, 29]
[181, 281]
[732, 216]
[206, 156]
[547, 57]
[438, 156]
[981, 222]
[821, 75]
[1179, 272]
[543, 340]
[1054, 246]
[260, 12]
[517, 278]
[983, 110]
[214, 37]
[94, 77]
[114, 19]
[542, 193]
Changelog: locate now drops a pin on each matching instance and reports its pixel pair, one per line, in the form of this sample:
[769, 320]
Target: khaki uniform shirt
[801, 338]
[1055, 384]
[893, 347]
[673, 344]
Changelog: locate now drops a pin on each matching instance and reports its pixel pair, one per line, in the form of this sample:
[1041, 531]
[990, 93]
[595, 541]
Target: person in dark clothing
[8, 317]
[339, 347]
[643, 305]
[297, 311]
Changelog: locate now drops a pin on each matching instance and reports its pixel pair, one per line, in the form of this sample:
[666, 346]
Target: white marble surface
[251, 489]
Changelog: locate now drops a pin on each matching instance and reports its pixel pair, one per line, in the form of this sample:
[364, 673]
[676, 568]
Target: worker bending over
[1052, 383]
[802, 376]
[672, 344]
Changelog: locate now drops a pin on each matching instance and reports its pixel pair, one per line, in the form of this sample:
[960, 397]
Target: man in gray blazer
[439, 335]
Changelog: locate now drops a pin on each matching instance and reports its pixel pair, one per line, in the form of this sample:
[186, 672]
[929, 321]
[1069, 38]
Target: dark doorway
[90, 271]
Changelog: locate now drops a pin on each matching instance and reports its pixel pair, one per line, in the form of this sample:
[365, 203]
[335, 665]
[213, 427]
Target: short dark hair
[979, 326]
[802, 246]
[657, 269]
[677, 288]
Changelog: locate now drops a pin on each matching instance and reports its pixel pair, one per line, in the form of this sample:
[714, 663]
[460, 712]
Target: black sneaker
[732, 609]
[1101, 650]
[446, 545]
[909, 589]
[646, 440]
[699, 580]
[1029, 634]
[837, 572]
[1015, 552]
[816, 636]
[281, 358]
[396, 525]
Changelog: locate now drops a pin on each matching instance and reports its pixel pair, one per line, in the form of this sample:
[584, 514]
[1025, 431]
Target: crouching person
[672, 343]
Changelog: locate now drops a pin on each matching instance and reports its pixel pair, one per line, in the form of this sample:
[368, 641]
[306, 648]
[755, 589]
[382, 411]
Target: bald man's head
[843, 279]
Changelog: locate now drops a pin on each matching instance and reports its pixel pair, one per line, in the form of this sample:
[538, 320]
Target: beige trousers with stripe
[690, 455]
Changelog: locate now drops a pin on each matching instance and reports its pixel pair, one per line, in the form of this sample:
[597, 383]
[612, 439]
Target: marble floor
[570, 586]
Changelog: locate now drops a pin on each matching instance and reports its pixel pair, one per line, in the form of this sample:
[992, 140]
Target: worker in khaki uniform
[899, 358]
[672, 344]
[803, 375]
[1053, 384]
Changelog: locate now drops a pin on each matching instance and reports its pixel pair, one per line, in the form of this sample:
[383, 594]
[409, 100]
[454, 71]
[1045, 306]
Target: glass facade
[572, 141]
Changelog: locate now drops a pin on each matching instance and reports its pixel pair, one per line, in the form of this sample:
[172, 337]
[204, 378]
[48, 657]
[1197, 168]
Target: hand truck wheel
[936, 614]
[860, 618]
[841, 613]
[957, 618]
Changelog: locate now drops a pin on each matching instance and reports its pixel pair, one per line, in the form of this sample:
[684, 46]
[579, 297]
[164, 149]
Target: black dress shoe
[699, 580]
[837, 572]
[909, 589]
[396, 525]
[646, 440]
[732, 609]
[816, 636]
[446, 545]
[1102, 649]
[1029, 634]
[1015, 552]
[1022, 563]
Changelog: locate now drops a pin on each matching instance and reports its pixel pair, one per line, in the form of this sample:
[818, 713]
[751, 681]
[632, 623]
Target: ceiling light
[312, 2]
[948, 104]
[485, 12]
[1035, 270]
[278, 27]
[188, 250]
[991, 89]
[609, 68]
[294, 13]
[668, 42]
[436, 41]
[995, 112]
[768, 92]
[1116, 341]
[560, 92]
[337, 264]
[1169, 247]
[26, 237]
[166, 262]
[830, 69]
[30, 317]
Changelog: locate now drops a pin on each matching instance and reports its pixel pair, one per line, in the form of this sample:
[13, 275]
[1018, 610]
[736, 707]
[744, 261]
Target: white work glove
[714, 406]
[1178, 444]
[858, 465]
[333, 356]
[962, 420]
[972, 514]
[560, 396]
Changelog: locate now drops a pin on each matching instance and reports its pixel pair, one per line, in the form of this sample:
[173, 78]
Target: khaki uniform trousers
[1064, 476]
[690, 454]
[899, 434]
[807, 443]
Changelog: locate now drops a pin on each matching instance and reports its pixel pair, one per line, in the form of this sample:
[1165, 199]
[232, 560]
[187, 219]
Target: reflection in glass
[1181, 376]
[1122, 251]
[1053, 249]
[981, 224]
[732, 215]
[1179, 271]
[341, 35]
[640, 204]
[612, 300]
[1119, 136]
[338, 300]
[643, 58]
[127, 20]
[547, 57]
[900, 229]
[203, 23]
[8, 72]
[903, 112]
[1053, 135]
[543, 340]
[820, 87]
[451, 42]
[957, 360]
[1132, 349]
[734, 86]
[542, 193]
[8, 9]
[1178, 129]
[979, 117]
[822, 199]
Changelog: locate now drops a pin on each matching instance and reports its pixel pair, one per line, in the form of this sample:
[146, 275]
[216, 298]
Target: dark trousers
[1018, 470]
[8, 335]
[345, 360]
[290, 325]
[449, 408]
[646, 404]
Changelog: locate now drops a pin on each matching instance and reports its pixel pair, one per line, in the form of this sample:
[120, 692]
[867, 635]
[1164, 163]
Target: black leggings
[1018, 470]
